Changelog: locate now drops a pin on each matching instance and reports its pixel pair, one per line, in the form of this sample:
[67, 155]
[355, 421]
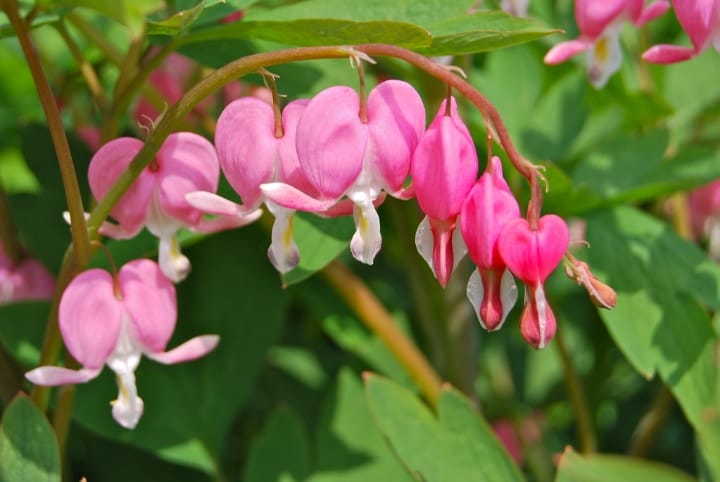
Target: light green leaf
[177, 23]
[601, 468]
[320, 241]
[458, 445]
[348, 446]
[659, 323]
[28, 448]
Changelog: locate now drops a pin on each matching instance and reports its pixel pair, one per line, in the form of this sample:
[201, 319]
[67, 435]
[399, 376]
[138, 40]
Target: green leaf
[319, 240]
[28, 448]
[458, 445]
[659, 323]
[130, 13]
[348, 447]
[600, 468]
[482, 32]
[281, 453]
[314, 32]
[177, 23]
[233, 291]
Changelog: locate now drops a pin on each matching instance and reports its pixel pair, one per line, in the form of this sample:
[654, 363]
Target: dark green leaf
[28, 448]
[600, 468]
[281, 453]
[21, 330]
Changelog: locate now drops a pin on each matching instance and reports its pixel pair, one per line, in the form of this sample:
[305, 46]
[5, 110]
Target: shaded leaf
[600, 468]
[28, 448]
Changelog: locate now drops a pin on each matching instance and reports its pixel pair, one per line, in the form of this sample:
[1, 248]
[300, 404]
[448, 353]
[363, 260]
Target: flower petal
[290, 170]
[396, 121]
[247, 146]
[187, 162]
[594, 16]
[149, 298]
[565, 50]
[283, 252]
[190, 350]
[108, 163]
[668, 54]
[331, 141]
[90, 317]
[651, 12]
[53, 376]
[292, 198]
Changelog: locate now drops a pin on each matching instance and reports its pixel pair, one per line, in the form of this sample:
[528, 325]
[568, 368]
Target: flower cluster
[24, 280]
[600, 23]
[339, 153]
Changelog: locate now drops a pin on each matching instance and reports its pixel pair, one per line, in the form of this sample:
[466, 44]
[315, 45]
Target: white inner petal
[508, 294]
[283, 252]
[172, 262]
[424, 242]
[128, 407]
[541, 307]
[475, 293]
[605, 57]
[367, 240]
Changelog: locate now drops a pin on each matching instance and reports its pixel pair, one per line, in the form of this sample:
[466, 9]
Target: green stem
[371, 312]
[80, 240]
[96, 37]
[86, 69]
[585, 426]
[8, 231]
[650, 424]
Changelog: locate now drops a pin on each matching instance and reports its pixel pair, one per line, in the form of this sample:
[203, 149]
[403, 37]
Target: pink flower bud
[24, 280]
[444, 169]
[487, 209]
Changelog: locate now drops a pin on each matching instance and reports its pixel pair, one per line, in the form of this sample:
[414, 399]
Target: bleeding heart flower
[344, 155]
[24, 280]
[704, 209]
[532, 254]
[600, 22]
[444, 169]
[186, 162]
[114, 321]
[701, 21]
[251, 153]
[487, 209]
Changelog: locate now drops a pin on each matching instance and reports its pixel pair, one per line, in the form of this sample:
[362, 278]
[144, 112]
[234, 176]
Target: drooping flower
[24, 280]
[532, 254]
[344, 155]
[701, 21]
[444, 169]
[250, 154]
[186, 162]
[600, 22]
[115, 321]
[486, 210]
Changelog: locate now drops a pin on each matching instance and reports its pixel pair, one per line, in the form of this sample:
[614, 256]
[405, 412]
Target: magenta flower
[25, 280]
[600, 22]
[250, 154]
[701, 21]
[444, 169]
[115, 321]
[487, 209]
[342, 155]
[532, 254]
[186, 162]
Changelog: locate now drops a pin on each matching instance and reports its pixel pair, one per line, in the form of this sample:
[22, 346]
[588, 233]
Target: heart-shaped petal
[90, 317]
[533, 254]
[149, 298]
[247, 146]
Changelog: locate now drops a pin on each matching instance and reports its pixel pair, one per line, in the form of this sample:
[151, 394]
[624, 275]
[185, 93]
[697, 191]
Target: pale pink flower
[186, 162]
[701, 21]
[532, 254]
[489, 206]
[114, 321]
[600, 23]
[444, 169]
[704, 209]
[343, 155]
[250, 154]
[25, 280]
